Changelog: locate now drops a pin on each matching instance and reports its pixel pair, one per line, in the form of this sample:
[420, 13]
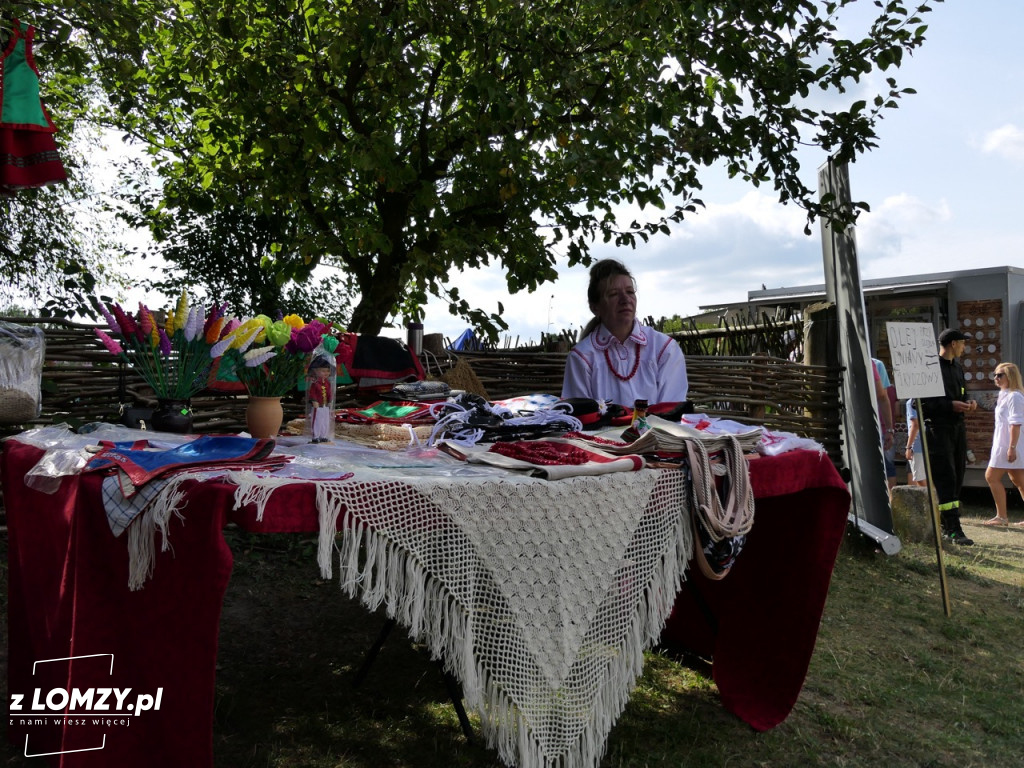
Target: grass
[892, 682]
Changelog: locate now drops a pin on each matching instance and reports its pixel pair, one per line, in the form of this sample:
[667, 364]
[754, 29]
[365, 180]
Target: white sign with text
[915, 360]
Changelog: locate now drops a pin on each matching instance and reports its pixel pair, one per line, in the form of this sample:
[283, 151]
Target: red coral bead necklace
[616, 374]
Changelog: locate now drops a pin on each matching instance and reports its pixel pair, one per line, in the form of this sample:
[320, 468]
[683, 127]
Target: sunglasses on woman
[998, 375]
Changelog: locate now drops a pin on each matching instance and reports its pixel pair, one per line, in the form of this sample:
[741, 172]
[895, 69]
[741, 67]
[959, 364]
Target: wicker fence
[82, 382]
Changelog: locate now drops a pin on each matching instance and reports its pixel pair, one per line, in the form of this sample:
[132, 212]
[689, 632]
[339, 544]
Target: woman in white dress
[1005, 457]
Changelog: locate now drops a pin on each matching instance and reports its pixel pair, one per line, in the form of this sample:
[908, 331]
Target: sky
[944, 187]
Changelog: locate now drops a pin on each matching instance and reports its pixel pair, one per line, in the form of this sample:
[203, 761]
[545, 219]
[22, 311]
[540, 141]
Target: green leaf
[407, 141]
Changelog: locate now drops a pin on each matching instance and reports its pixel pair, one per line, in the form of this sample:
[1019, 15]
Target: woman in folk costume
[617, 358]
[28, 151]
[620, 360]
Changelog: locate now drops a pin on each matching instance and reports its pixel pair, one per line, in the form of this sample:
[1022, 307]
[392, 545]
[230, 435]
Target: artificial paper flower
[279, 333]
[274, 368]
[309, 336]
[264, 323]
[174, 360]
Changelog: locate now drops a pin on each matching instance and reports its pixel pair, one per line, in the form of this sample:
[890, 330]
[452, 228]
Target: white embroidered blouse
[649, 365]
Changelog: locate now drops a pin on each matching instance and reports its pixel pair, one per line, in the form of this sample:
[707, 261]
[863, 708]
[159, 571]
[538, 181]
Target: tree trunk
[377, 296]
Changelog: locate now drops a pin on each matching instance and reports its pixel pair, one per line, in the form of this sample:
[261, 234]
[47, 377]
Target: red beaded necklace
[616, 374]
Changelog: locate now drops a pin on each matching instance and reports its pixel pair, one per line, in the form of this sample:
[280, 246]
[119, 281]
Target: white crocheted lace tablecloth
[539, 596]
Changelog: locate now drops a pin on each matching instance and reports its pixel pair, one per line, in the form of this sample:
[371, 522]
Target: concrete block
[911, 514]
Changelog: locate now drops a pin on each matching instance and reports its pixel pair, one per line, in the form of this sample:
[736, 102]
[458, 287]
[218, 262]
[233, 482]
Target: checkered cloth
[121, 511]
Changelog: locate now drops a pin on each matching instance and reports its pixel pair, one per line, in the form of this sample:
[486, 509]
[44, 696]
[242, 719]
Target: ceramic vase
[263, 416]
[172, 415]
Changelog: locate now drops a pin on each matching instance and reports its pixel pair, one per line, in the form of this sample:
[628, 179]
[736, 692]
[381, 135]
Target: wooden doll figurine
[320, 399]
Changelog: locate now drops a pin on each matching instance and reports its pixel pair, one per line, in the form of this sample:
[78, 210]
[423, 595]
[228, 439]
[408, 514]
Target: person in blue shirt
[888, 446]
[914, 452]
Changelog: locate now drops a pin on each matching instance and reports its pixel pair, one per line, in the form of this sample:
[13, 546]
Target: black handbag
[134, 416]
[129, 414]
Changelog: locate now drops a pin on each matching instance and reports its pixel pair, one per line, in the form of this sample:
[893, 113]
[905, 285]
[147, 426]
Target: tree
[57, 243]
[57, 246]
[408, 139]
[221, 254]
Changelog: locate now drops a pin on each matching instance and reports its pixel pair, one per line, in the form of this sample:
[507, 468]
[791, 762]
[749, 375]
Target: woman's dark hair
[600, 273]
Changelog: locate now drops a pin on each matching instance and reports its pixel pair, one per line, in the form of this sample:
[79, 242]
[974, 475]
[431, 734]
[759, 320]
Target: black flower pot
[172, 415]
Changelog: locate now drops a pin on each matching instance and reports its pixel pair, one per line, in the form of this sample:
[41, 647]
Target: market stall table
[69, 594]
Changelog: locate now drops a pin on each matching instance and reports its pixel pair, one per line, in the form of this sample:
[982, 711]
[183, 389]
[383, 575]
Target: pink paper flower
[112, 346]
[145, 321]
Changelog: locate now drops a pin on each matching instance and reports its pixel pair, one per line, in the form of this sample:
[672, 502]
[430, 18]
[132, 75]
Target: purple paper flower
[230, 326]
[307, 338]
[111, 322]
[165, 343]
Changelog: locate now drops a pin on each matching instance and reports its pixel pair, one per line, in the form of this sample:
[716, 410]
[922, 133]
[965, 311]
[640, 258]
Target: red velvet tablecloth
[760, 622]
[68, 597]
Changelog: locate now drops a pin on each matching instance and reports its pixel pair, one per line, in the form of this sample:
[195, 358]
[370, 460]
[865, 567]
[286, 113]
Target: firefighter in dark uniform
[947, 435]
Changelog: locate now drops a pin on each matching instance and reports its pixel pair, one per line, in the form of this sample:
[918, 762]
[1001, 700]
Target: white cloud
[908, 235]
[1006, 142]
[883, 232]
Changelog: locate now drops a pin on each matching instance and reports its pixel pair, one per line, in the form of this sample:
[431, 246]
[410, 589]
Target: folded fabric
[121, 511]
[669, 437]
[549, 459]
[423, 390]
[138, 465]
[384, 412]
[775, 443]
[378, 362]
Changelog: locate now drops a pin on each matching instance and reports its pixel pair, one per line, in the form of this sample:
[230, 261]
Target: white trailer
[986, 304]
